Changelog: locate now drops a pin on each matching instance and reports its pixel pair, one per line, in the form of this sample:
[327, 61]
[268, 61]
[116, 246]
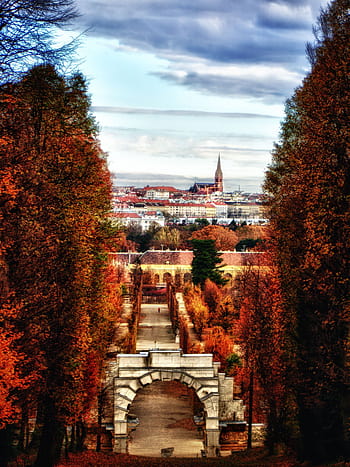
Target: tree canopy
[225, 239]
[54, 234]
[308, 187]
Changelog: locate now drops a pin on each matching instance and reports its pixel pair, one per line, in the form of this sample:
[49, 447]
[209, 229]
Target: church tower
[219, 179]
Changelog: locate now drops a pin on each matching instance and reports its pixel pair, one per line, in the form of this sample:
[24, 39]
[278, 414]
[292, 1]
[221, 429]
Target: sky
[173, 83]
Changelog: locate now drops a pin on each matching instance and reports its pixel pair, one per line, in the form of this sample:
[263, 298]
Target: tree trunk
[6, 447]
[250, 412]
[52, 437]
[322, 432]
[81, 435]
[72, 444]
[36, 435]
[22, 438]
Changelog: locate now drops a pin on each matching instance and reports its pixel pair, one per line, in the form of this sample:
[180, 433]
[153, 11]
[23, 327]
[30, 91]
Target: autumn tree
[218, 343]
[262, 333]
[27, 30]
[55, 232]
[196, 308]
[142, 239]
[167, 238]
[308, 184]
[221, 309]
[205, 263]
[224, 238]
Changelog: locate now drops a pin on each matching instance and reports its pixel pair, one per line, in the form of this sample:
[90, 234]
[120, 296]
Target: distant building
[175, 265]
[144, 220]
[209, 188]
[158, 192]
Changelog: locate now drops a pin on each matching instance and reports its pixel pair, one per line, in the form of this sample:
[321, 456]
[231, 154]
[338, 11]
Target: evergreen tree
[205, 262]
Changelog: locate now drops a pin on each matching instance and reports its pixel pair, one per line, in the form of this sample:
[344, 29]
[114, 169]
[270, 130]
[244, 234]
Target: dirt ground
[165, 412]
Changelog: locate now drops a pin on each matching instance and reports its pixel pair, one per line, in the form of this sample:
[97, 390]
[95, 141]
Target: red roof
[126, 215]
[160, 188]
[184, 257]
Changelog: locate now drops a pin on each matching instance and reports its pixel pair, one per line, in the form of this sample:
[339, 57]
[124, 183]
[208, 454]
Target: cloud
[284, 16]
[252, 31]
[246, 56]
[202, 40]
[270, 84]
[177, 113]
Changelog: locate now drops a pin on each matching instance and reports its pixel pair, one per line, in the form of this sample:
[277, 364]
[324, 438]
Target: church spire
[219, 177]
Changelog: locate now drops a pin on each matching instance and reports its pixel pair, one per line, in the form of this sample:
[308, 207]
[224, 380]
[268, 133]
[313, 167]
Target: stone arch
[167, 277]
[228, 277]
[126, 394]
[187, 277]
[128, 373]
[150, 423]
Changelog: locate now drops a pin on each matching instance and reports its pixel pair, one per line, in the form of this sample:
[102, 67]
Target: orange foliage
[225, 239]
[196, 309]
[221, 309]
[262, 333]
[54, 231]
[219, 344]
[254, 232]
[11, 378]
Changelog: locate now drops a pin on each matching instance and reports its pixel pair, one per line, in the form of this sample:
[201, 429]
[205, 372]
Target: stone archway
[167, 277]
[229, 278]
[130, 372]
[124, 396]
[166, 414]
[187, 277]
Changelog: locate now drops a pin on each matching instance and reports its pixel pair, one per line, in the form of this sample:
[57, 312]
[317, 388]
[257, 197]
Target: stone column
[213, 444]
[212, 436]
[120, 436]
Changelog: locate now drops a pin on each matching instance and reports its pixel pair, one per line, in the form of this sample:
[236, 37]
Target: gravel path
[164, 410]
[165, 421]
[155, 330]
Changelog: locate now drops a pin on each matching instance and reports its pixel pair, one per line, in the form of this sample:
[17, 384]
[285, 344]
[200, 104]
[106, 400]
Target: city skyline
[173, 84]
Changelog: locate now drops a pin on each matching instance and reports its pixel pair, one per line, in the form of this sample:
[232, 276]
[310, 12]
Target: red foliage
[196, 309]
[225, 239]
[221, 309]
[262, 333]
[54, 233]
[11, 377]
[218, 343]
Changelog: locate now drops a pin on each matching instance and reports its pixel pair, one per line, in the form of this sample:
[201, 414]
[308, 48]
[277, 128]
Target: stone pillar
[120, 436]
[212, 444]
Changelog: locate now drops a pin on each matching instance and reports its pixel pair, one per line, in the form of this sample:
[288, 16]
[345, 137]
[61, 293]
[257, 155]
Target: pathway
[155, 330]
[164, 412]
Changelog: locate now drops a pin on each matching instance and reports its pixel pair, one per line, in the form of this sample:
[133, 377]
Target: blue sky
[174, 83]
